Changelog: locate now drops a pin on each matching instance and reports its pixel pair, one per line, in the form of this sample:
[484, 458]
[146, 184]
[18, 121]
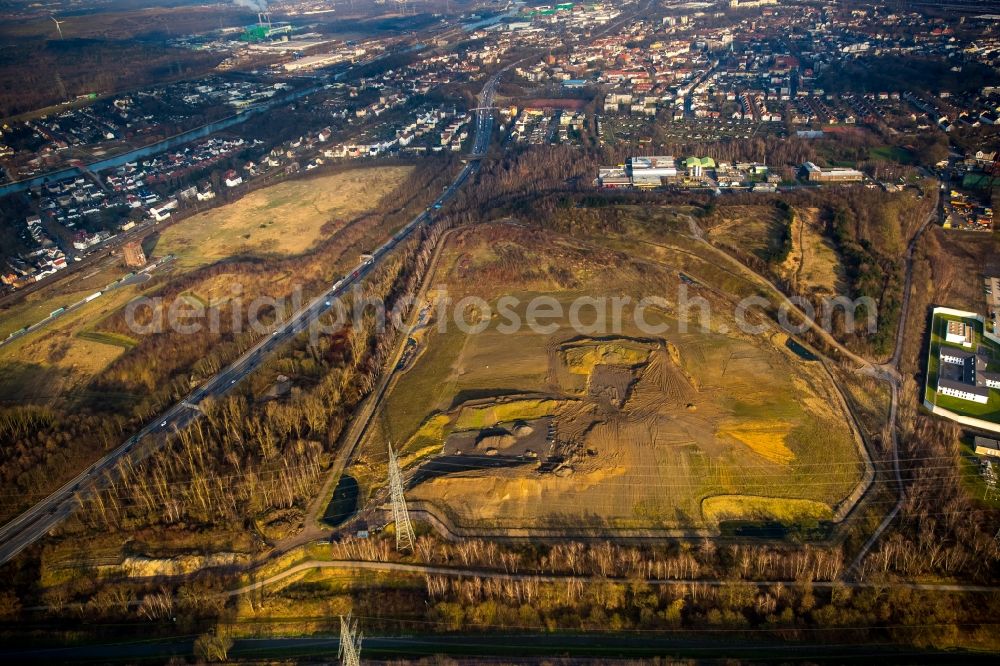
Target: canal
[158, 147]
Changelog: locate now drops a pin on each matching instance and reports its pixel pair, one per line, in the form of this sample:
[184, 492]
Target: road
[34, 523]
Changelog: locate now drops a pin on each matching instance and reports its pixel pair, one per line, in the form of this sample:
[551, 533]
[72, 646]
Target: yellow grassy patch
[283, 219]
[516, 497]
[429, 435]
[69, 344]
[474, 417]
[582, 359]
[821, 268]
[765, 439]
[755, 507]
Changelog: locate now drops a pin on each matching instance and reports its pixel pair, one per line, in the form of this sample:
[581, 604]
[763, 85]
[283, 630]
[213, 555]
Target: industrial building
[314, 61]
[987, 447]
[613, 177]
[264, 30]
[816, 174]
[696, 166]
[650, 171]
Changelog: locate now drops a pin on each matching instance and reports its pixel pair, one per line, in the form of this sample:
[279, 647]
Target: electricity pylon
[990, 477]
[400, 516]
[350, 642]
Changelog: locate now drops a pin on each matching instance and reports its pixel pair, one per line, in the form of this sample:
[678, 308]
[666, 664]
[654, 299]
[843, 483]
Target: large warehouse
[649, 171]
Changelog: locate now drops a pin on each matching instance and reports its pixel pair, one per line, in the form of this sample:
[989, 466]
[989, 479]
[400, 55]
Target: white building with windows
[959, 333]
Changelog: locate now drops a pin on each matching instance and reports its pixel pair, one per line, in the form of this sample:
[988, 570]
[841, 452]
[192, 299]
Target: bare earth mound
[678, 430]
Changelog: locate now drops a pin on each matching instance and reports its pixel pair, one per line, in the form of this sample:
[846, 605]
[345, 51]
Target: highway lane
[37, 521]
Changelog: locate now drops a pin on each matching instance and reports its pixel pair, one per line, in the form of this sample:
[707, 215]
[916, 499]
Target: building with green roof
[703, 162]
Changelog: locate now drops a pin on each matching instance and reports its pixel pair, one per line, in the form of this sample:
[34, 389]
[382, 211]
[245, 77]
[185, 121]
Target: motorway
[37, 521]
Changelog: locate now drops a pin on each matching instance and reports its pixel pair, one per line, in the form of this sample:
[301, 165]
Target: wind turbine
[58, 25]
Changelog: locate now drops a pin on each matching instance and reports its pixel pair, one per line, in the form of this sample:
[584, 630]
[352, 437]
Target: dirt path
[890, 374]
[698, 234]
[472, 572]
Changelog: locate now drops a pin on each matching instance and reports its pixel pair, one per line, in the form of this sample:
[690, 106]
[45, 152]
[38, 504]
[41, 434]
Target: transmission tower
[400, 516]
[990, 477]
[350, 642]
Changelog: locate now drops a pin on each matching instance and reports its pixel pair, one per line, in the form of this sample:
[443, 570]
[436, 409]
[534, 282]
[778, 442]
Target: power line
[816, 479]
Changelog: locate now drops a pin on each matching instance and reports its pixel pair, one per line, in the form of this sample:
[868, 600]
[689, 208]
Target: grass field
[644, 429]
[284, 219]
[64, 354]
[742, 507]
[891, 154]
[813, 264]
[749, 229]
